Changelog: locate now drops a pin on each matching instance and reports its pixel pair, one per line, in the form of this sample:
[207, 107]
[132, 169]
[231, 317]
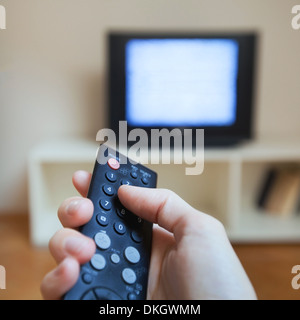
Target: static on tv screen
[181, 82]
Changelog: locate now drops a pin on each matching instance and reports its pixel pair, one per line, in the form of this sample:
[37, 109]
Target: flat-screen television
[175, 80]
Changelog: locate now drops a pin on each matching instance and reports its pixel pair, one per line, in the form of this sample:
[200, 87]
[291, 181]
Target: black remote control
[119, 268]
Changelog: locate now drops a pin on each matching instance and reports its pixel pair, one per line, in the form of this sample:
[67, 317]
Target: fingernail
[74, 205]
[74, 245]
[81, 174]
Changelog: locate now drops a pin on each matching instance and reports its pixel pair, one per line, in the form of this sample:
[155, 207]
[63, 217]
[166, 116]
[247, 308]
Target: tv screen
[183, 81]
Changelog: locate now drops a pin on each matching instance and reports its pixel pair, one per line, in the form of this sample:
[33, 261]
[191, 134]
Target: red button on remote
[113, 164]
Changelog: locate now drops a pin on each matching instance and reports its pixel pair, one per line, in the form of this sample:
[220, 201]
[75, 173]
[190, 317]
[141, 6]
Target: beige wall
[52, 63]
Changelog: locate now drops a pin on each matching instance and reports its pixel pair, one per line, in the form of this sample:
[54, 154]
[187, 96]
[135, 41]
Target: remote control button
[102, 219]
[98, 261]
[87, 278]
[132, 255]
[137, 236]
[111, 176]
[119, 227]
[129, 276]
[138, 221]
[131, 296]
[115, 258]
[102, 240]
[113, 163]
[126, 182]
[145, 180]
[105, 204]
[122, 213]
[89, 296]
[108, 190]
[134, 174]
[106, 294]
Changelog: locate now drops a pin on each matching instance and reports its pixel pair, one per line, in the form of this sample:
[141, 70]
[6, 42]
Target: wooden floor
[268, 266]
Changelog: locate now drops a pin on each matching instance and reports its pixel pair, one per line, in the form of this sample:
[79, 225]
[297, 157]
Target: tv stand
[227, 189]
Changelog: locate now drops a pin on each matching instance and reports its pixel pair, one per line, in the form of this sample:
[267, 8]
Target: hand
[191, 255]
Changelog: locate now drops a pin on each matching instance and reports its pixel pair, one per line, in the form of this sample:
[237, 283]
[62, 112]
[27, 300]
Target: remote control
[119, 268]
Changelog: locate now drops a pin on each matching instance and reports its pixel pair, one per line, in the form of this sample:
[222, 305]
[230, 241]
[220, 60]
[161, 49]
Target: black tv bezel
[241, 130]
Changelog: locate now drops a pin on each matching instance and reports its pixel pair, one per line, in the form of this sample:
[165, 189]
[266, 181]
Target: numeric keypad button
[122, 213]
[108, 190]
[105, 204]
[111, 176]
[102, 219]
[119, 227]
[125, 182]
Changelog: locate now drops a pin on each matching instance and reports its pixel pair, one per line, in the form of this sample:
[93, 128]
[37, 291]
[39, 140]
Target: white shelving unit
[227, 189]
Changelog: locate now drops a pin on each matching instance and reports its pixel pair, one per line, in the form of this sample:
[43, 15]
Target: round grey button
[98, 261]
[102, 240]
[132, 255]
[115, 258]
[131, 296]
[128, 276]
[87, 278]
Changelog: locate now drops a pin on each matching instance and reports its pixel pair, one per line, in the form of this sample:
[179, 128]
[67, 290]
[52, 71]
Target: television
[186, 81]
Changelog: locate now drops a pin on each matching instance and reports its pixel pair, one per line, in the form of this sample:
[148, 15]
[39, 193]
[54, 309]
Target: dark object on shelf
[266, 187]
[280, 192]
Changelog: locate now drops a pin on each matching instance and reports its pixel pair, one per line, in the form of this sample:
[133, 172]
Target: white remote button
[98, 261]
[129, 276]
[102, 240]
[115, 258]
[132, 255]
